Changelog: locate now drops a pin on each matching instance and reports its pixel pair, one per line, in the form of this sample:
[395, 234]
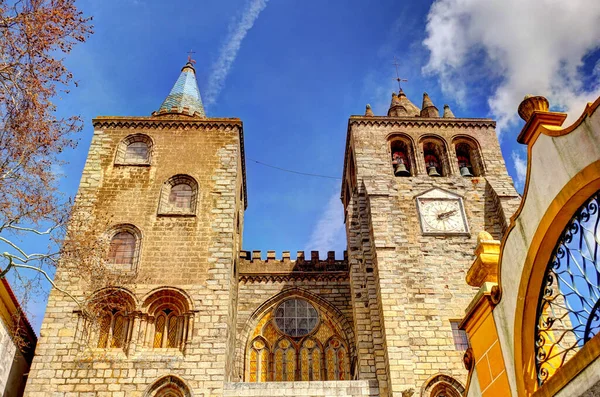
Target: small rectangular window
[461, 342]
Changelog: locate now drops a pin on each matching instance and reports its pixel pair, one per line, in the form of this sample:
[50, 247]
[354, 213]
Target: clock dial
[442, 216]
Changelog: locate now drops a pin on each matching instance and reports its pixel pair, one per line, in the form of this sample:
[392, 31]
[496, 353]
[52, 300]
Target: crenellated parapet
[252, 266]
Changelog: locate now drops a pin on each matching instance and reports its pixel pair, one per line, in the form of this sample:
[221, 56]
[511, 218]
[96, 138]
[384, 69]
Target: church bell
[432, 171]
[464, 171]
[401, 170]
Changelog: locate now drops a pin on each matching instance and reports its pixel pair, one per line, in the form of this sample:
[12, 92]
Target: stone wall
[414, 284]
[192, 254]
[302, 389]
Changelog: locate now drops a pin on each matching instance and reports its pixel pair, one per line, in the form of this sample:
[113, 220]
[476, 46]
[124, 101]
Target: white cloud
[521, 167]
[531, 46]
[230, 48]
[329, 233]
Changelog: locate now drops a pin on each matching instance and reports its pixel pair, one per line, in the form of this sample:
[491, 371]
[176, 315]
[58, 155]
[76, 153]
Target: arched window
[168, 386]
[436, 157]
[302, 342]
[179, 196]
[113, 308]
[442, 385]
[124, 247]
[134, 150]
[568, 308]
[468, 157]
[403, 160]
[170, 319]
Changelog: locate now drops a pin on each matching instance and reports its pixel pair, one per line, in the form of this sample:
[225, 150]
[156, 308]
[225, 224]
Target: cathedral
[206, 318]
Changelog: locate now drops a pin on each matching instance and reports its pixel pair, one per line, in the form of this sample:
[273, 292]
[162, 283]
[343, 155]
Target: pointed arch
[294, 355]
[169, 386]
[442, 385]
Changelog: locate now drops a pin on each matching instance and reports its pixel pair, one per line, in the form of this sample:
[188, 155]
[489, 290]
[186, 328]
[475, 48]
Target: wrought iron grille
[568, 310]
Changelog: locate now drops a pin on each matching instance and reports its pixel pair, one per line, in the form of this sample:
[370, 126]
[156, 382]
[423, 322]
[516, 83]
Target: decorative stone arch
[403, 143]
[108, 322]
[469, 146]
[137, 249]
[442, 385]
[333, 314]
[435, 145]
[169, 386]
[167, 318]
[169, 203]
[130, 150]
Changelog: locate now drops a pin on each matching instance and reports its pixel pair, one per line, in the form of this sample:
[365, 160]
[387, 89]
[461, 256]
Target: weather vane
[398, 79]
[190, 60]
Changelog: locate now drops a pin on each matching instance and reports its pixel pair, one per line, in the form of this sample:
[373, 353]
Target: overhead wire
[292, 171]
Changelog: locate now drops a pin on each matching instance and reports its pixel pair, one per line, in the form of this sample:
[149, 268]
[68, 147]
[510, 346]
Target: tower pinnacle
[184, 97]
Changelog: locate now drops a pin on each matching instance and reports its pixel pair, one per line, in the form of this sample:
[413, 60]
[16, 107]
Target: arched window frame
[168, 386]
[135, 232]
[122, 157]
[265, 329]
[476, 158]
[114, 308]
[442, 385]
[165, 207]
[404, 143]
[168, 319]
[438, 146]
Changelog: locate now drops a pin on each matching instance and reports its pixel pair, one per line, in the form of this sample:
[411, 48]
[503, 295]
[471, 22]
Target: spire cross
[398, 79]
[190, 60]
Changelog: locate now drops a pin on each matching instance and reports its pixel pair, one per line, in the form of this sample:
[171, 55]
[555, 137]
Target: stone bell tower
[417, 189]
[172, 188]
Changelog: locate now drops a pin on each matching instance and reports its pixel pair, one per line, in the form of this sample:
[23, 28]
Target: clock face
[442, 216]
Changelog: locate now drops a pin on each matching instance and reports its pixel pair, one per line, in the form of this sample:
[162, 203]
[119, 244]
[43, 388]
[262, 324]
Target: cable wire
[291, 171]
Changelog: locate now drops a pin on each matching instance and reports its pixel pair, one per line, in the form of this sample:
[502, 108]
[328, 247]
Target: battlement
[253, 267]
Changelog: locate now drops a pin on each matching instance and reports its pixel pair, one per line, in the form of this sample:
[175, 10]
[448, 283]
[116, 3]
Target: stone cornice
[421, 122]
[172, 122]
[293, 276]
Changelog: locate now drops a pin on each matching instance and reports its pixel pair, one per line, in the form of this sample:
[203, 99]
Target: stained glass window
[293, 337]
[296, 317]
[460, 337]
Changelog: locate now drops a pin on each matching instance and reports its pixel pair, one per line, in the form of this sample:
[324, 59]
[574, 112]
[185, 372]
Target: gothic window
[124, 247]
[460, 337]
[168, 324]
[468, 157]
[436, 157]
[402, 159]
[338, 365]
[168, 386]
[179, 196]
[295, 341]
[134, 150]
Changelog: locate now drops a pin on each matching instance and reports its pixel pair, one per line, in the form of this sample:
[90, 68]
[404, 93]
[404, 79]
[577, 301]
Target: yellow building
[533, 326]
[17, 344]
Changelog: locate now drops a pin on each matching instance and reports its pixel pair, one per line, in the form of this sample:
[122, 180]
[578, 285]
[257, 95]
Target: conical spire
[369, 111]
[448, 113]
[184, 97]
[401, 106]
[428, 109]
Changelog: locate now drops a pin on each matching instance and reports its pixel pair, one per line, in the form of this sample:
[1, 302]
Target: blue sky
[294, 71]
